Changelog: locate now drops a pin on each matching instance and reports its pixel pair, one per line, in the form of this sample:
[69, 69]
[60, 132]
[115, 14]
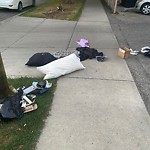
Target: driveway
[132, 30]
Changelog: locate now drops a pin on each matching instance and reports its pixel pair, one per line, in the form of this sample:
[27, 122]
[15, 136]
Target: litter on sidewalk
[61, 53]
[61, 67]
[83, 43]
[63, 62]
[90, 53]
[40, 59]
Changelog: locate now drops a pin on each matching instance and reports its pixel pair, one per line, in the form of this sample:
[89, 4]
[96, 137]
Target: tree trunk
[4, 86]
[69, 1]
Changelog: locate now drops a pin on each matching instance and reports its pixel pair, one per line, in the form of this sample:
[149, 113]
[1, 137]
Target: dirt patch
[64, 11]
[57, 13]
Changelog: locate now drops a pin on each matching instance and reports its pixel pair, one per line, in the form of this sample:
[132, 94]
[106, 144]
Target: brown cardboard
[124, 53]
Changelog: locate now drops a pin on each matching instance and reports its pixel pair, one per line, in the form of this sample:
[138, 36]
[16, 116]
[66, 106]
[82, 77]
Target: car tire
[20, 7]
[145, 9]
[33, 3]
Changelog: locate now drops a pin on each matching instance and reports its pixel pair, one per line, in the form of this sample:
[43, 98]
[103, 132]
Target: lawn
[50, 10]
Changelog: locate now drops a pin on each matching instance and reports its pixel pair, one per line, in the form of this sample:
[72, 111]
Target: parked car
[143, 6]
[16, 4]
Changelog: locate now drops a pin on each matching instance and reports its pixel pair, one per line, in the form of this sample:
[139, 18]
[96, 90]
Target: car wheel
[20, 7]
[145, 9]
[33, 3]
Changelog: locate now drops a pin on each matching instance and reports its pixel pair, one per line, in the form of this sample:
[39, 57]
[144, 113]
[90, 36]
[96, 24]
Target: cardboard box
[124, 52]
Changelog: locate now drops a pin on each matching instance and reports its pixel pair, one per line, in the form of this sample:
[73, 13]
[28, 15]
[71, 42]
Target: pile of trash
[53, 66]
[125, 52]
[144, 50]
[64, 62]
[23, 100]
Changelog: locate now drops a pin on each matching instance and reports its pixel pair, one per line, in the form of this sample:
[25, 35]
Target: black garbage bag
[40, 59]
[11, 107]
[147, 54]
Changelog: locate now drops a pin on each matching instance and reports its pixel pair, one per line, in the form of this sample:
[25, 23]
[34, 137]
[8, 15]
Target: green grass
[49, 10]
[22, 134]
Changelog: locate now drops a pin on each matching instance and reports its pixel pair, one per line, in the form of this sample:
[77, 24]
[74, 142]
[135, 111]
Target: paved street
[132, 30]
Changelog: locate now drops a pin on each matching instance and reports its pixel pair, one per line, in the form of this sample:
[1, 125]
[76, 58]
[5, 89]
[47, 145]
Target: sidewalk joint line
[87, 78]
[72, 35]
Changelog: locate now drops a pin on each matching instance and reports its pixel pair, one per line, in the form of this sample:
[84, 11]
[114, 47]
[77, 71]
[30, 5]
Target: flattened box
[124, 53]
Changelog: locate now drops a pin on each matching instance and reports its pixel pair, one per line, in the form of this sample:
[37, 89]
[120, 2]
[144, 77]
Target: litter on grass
[37, 87]
[22, 101]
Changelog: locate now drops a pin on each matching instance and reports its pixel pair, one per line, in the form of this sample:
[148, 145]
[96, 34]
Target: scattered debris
[52, 12]
[30, 108]
[133, 52]
[11, 107]
[124, 52]
[88, 53]
[101, 58]
[60, 8]
[146, 51]
[61, 67]
[83, 43]
[37, 88]
[61, 54]
[22, 101]
[40, 59]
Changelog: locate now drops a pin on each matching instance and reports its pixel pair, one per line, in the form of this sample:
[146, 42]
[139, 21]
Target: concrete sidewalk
[98, 108]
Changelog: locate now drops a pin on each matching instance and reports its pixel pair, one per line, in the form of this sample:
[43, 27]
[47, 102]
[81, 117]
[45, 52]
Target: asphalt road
[132, 29]
[7, 13]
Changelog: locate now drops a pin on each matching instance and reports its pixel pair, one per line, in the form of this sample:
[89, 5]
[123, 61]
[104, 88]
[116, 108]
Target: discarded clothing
[40, 59]
[83, 43]
[11, 107]
[88, 53]
[37, 88]
[61, 54]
